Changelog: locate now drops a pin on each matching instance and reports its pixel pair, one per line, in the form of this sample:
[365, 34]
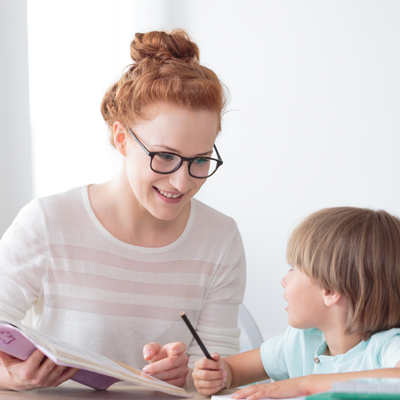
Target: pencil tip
[182, 313]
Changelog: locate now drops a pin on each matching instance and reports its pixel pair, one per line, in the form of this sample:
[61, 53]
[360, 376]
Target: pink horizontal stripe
[115, 309]
[105, 258]
[81, 279]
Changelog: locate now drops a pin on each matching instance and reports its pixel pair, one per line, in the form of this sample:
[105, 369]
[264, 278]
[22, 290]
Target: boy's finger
[208, 375]
[210, 390]
[210, 383]
[206, 363]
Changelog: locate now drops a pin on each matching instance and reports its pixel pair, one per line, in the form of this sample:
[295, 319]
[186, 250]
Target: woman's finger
[6, 359]
[166, 364]
[171, 373]
[67, 374]
[35, 360]
[168, 350]
[150, 350]
[45, 374]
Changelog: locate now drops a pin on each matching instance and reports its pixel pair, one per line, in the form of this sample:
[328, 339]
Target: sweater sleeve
[218, 320]
[23, 262]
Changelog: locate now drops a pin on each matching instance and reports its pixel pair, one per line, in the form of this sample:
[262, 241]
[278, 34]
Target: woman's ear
[119, 137]
[330, 297]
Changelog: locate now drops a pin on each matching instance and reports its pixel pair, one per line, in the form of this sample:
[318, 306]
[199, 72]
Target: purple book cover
[13, 342]
[21, 341]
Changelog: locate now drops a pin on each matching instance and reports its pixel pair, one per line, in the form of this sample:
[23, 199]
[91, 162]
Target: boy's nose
[283, 282]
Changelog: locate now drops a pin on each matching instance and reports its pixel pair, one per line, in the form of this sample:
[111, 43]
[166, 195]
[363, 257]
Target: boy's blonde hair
[354, 252]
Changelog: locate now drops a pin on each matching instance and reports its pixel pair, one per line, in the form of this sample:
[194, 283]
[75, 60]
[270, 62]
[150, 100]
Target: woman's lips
[169, 197]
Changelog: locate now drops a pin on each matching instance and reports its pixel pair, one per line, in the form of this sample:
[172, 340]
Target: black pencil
[195, 335]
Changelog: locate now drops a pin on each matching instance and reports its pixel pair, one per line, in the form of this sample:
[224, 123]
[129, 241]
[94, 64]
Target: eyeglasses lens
[200, 167]
[164, 162]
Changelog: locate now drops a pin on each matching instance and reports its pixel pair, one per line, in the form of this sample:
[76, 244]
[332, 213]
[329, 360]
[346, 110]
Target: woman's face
[169, 128]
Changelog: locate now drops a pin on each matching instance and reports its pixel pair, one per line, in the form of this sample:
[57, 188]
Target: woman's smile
[169, 197]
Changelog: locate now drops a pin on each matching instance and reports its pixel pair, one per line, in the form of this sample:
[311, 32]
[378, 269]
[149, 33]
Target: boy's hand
[210, 376]
[294, 387]
[168, 363]
[36, 372]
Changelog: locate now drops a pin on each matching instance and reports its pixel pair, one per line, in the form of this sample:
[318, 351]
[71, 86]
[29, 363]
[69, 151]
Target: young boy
[343, 294]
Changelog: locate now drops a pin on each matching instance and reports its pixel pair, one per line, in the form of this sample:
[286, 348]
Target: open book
[96, 371]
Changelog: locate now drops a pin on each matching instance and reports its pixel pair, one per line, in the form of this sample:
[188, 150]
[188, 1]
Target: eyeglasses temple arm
[216, 150]
[140, 143]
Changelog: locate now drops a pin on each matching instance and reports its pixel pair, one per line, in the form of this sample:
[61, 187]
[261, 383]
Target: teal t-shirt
[298, 352]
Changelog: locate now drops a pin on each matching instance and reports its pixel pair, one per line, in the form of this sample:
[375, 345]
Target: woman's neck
[125, 218]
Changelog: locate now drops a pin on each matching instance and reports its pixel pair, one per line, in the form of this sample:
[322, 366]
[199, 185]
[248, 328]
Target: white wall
[313, 119]
[15, 135]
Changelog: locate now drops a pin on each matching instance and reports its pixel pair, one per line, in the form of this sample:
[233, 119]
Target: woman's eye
[201, 161]
[165, 157]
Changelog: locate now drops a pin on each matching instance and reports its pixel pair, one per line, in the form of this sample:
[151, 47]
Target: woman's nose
[180, 179]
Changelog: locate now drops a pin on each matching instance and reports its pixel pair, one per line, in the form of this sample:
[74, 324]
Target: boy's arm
[211, 376]
[310, 384]
[244, 368]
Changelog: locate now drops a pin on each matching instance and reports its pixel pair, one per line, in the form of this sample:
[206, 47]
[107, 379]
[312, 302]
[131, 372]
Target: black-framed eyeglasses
[166, 163]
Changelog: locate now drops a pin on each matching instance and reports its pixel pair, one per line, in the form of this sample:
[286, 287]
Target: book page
[20, 341]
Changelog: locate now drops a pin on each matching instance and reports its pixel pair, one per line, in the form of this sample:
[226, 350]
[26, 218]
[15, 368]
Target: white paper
[229, 397]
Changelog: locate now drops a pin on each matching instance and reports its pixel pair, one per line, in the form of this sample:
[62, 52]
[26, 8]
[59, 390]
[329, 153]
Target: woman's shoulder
[69, 196]
[64, 207]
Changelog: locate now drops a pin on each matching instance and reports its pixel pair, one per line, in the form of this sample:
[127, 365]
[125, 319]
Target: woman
[109, 266]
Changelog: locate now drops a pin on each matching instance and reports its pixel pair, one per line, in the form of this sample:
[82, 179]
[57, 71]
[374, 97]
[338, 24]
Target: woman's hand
[209, 376]
[36, 372]
[168, 363]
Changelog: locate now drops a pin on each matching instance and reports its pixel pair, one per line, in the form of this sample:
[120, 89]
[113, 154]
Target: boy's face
[306, 308]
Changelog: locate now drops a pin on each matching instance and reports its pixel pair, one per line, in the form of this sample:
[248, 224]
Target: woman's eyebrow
[177, 151]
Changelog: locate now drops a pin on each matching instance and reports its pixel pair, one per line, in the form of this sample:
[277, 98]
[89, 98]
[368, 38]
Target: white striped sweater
[91, 289]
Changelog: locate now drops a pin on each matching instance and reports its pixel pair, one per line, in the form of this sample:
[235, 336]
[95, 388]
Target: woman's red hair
[166, 69]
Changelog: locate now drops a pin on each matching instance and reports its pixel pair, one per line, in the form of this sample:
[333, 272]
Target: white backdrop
[313, 119]
[15, 135]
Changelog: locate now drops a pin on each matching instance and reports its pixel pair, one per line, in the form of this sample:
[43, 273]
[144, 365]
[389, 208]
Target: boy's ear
[330, 297]
[119, 137]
